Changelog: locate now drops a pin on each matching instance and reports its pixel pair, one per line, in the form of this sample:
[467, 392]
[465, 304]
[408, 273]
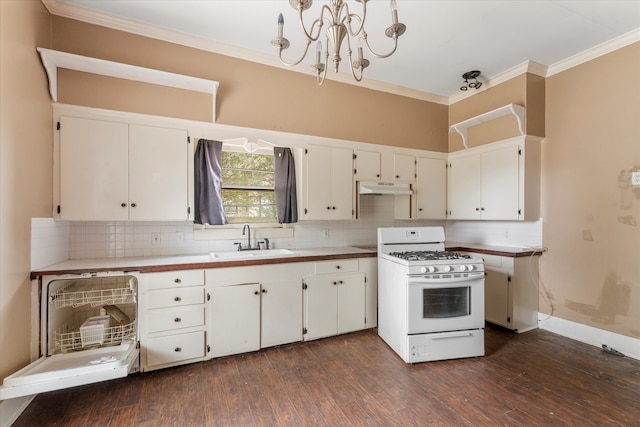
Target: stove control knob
[471, 267]
[463, 268]
[429, 269]
[446, 268]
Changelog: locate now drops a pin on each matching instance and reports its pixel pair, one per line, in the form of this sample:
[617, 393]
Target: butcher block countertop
[191, 262]
[506, 251]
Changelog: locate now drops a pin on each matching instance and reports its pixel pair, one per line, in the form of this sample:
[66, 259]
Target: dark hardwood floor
[531, 379]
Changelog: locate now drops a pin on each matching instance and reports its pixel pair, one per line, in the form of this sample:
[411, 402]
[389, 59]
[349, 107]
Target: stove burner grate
[428, 255]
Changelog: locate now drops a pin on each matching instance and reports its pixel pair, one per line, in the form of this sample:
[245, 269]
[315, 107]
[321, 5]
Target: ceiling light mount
[338, 18]
[471, 80]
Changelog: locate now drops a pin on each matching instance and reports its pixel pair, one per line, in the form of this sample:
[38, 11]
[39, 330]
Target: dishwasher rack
[105, 292]
[76, 302]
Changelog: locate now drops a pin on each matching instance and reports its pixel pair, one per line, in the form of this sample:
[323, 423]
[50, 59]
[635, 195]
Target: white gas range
[430, 301]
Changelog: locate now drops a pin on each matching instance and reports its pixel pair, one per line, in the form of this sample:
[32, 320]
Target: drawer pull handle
[177, 299]
[177, 320]
[177, 349]
[177, 281]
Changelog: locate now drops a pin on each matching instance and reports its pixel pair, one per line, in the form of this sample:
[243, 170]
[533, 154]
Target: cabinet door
[404, 168]
[317, 192]
[367, 165]
[158, 173]
[281, 312]
[500, 184]
[431, 188]
[351, 302]
[464, 187]
[341, 180]
[496, 297]
[235, 319]
[93, 170]
[321, 307]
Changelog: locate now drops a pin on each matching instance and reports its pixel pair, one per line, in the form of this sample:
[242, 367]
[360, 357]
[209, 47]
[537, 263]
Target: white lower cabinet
[173, 318]
[334, 303]
[511, 291]
[251, 308]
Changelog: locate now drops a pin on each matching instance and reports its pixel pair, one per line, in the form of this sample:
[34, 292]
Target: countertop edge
[155, 268]
[493, 250]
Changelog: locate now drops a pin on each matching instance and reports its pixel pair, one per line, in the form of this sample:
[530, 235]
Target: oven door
[439, 304]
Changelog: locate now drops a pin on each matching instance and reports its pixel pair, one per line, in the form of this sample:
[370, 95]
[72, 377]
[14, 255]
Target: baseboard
[11, 409]
[589, 335]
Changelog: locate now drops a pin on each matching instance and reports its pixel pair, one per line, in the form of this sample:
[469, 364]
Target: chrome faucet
[245, 228]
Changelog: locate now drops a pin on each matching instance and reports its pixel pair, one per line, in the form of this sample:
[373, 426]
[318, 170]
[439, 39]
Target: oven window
[446, 302]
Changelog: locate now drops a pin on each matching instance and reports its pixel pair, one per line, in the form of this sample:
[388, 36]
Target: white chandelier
[339, 22]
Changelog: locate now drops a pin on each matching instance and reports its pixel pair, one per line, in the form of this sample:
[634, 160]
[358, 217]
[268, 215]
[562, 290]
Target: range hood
[393, 188]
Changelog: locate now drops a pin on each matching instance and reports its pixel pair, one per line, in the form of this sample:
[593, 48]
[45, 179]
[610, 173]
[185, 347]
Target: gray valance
[285, 176]
[208, 183]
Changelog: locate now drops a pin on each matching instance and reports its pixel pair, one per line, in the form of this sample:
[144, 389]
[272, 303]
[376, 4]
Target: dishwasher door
[74, 350]
[69, 370]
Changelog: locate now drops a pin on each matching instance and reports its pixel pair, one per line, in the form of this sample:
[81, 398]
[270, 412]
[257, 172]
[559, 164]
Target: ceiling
[443, 40]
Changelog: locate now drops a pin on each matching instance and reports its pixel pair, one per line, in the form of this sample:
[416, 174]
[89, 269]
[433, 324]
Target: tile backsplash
[54, 241]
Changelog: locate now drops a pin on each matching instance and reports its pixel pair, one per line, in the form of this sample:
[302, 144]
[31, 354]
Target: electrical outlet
[325, 234]
[635, 178]
[155, 239]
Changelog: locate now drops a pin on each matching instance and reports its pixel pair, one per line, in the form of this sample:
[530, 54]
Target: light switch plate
[635, 178]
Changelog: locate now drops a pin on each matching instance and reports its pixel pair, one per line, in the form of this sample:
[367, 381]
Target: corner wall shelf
[52, 60]
[462, 127]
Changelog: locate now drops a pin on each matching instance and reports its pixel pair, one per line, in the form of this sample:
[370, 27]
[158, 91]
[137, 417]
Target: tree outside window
[248, 193]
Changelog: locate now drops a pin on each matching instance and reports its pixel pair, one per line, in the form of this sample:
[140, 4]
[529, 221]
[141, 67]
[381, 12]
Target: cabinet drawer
[172, 279]
[175, 348]
[168, 319]
[491, 260]
[175, 297]
[337, 266]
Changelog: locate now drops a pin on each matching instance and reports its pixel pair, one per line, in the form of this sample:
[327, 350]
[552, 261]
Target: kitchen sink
[252, 254]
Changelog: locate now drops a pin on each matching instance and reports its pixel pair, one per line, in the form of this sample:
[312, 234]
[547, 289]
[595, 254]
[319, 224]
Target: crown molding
[612, 45]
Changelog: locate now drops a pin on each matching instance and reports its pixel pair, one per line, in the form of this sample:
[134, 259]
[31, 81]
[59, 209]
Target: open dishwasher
[88, 333]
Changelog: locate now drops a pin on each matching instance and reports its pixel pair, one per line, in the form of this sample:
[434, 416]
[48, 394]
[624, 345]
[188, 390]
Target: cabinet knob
[481, 209]
[177, 320]
[377, 175]
[177, 299]
[177, 280]
[328, 208]
[397, 176]
[133, 205]
[256, 293]
[477, 209]
[335, 283]
[338, 267]
[419, 209]
[177, 349]
[264, 291]
[334, 208]
[340, 282]
[124, 205]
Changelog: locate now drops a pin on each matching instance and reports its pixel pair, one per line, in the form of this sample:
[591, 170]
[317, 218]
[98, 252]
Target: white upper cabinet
[367, 165]
[111, 171]
[328, 188]
[499, 181]
[431, 188]
[404, 168]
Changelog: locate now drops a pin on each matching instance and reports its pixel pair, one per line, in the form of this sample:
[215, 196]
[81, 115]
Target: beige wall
[25, 162]
[591, 214]
[252, 95]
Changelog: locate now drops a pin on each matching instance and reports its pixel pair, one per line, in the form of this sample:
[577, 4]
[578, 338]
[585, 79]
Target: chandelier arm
[318, 21]
[291, 64]
[377, 55]
[346, 21]
[324, 71]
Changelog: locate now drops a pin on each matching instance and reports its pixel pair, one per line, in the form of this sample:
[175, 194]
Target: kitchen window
[248, 193]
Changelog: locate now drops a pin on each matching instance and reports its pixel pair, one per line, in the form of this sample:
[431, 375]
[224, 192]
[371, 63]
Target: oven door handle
[423, 280]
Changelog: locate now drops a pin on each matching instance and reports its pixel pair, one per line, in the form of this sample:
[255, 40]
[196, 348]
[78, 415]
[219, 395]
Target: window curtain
[285, 175]
[208, 183]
